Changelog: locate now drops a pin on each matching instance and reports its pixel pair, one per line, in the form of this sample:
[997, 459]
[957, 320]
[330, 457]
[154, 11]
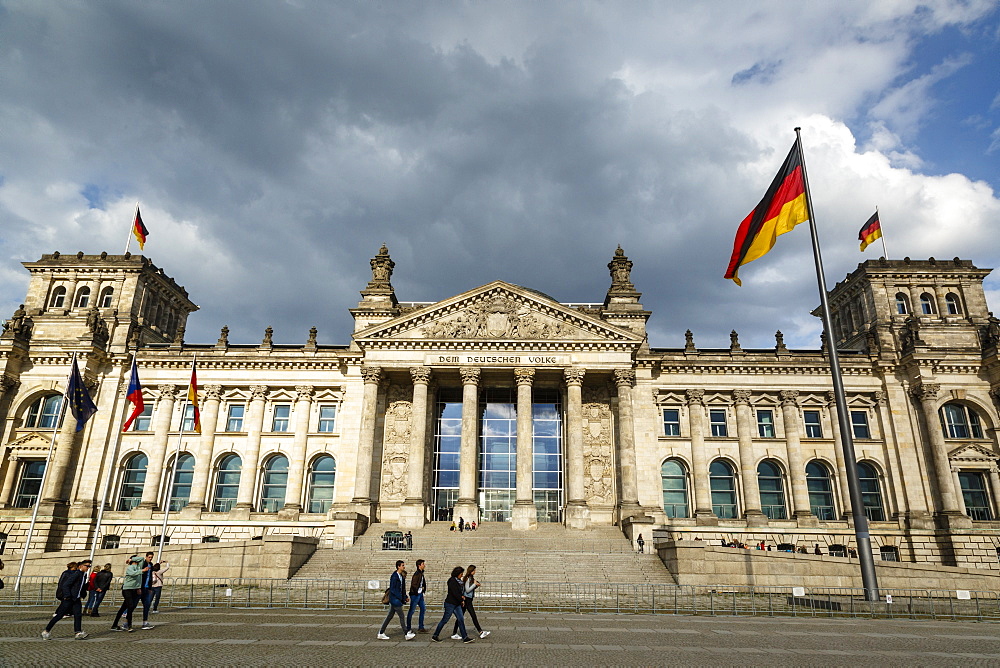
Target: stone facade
[503, 404]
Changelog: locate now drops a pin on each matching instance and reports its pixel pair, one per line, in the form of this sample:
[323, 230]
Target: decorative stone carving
[574, 376]
[268, 336]
[19, 326]
[420, 374]
[524, 375]
[824, 342]
[598, 450]
[871, 342]
[926, 391]
[312, 337]
[741, 397]
[258, 392]
[734, 341]
[880, 397]
[168, 390]
[909, 336]
[779, 342]
[179, 335]
[496, 318]
[303, 392]
[8, 383]
[695, 397]
[621, 270]
[991, 332]
[625, 377]
[470, 375]
[95, 325]
[396, 444]
[212, 392]
[382, 266]
[689, 342]
[371, 374]
[223, 337]
[789, 397]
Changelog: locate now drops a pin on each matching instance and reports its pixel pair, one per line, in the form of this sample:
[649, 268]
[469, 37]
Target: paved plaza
[226, 637]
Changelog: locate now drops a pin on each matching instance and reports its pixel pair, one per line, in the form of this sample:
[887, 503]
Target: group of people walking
[462, 586]
[143, 582]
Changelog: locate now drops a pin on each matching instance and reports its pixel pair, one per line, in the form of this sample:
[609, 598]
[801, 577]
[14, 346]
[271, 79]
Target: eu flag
[80, 403]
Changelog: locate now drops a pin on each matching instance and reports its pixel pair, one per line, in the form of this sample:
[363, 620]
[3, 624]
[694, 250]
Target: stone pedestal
[289, 513]
[192, 511]
[704, 519]
[240, 513]
[412, 514]
[577, 516]
[756, 518]
[466, 508]
[952, 520]
[523, 516]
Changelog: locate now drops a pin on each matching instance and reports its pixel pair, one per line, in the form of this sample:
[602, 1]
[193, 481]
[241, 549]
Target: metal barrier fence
[550, 597]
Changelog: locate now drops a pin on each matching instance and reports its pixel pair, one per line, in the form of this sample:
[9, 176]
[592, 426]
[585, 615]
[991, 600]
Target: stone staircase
[550, 554]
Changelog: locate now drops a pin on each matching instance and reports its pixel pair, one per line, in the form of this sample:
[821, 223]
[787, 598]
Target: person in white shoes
[72, 586]
[470, 584]
[397, 598]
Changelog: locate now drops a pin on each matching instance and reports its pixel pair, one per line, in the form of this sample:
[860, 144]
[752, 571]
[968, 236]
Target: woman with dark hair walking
[453, 606]
[469, 585]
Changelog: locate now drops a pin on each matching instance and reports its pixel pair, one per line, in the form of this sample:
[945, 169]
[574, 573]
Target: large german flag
[783, 207]
[139, 230]
[870, 231]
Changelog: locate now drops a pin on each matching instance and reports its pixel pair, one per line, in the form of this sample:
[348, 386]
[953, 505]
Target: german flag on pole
[139, 230]
[193, 400]
[783, 207]
[870, 231]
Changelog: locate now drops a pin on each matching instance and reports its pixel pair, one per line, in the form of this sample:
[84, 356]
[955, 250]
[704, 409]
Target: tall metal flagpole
[128, 241]
[868, 579]
[882, 235]
[45, 476]
[173, 469]
[111, 476]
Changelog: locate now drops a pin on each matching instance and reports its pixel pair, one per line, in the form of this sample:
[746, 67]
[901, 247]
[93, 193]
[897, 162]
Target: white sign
[798, 591]
[962, 594]
[497, 359]
[888, 598]
[373, 584]
[229, 592]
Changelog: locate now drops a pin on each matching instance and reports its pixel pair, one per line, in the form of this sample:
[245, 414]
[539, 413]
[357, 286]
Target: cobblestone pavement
[226, 637]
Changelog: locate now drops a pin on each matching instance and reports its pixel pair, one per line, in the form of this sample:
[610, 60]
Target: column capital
[212, 392]
[831, 398]
[12, 457]
[470, 375]
[880, 397]
[8, 382]
[624, 377]
[695, 397]
[371, 374]
[741, 397]
[303, 392]
[574, 376]
[420, 374]
[524, 375]
[926, 391]
[995, 393]
[258, 392]
[789, 397]
[167, 391]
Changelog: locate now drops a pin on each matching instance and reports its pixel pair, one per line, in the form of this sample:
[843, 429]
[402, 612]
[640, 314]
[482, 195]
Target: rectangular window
[144, 420]
[813, 427]
[187, 424]
[765, 424]
[859, 424]
[234, 419]
[717, 421]
[327, 419]
[281, 413]
[671, 422]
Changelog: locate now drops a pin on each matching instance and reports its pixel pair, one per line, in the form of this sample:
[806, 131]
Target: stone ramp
[551, 553]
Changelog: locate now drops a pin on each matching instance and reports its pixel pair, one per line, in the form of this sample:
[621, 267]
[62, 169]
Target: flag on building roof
[193, 399]
[783, 207]
[870, 231]
[134, 396]
[138, 229]
[80, 403]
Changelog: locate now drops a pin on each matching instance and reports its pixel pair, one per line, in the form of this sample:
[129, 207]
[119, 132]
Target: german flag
[193, 400]
[139, 230]
[783, 207]
[870, 231]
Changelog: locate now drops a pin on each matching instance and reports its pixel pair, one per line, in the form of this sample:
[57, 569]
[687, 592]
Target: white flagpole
[884, 250]
[112, 468]
[173, 469]
[131, 228]
[45, 476]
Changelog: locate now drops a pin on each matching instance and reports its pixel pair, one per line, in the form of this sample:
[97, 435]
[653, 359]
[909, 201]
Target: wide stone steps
[550, 554]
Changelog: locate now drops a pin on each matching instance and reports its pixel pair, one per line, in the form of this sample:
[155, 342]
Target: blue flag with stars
[80, 403]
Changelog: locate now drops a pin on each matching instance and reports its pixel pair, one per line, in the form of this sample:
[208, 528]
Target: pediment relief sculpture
[498, 318]
[975, 452]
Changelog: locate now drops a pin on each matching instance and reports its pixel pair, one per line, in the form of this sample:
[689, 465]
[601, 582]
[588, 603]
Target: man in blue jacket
[397, 598]
[72, 586]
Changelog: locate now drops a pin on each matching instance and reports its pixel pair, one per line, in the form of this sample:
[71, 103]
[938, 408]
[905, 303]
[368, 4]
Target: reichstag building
[502, 404]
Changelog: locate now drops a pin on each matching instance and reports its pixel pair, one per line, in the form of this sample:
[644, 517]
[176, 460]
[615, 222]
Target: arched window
[227, 484]
[107, 295]
[183, 477]
[110, 542]
[58, 298]
[871, 492]
[722, 478]
[960, 421]
[952, 304]
[772, 490]
[272, 491]
[132, 482]
[926, 304]
[977, 500]
[83, 297]
[30, 485]
[675, 495]
[902, 304]
[44, 413]
[820, 487]
[322, 476]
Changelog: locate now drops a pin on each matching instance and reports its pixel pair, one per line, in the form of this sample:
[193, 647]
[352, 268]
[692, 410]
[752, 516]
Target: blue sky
[276, 146]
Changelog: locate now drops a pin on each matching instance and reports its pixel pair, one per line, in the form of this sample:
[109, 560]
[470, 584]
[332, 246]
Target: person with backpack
[100, 580]
[71, 588]
[397, 597]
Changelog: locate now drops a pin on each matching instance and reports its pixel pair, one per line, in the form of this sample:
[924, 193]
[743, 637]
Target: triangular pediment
[31, 442]
[973, 452]
[498, 312]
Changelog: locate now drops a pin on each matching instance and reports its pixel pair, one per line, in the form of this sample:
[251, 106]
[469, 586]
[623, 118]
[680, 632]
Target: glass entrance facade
[546, 428]
[497, 453]
[447, 446]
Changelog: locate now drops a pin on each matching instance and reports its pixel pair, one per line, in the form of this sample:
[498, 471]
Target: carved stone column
[297, 462]
[699, 462]
[203, 458]
[577, 512]
[948, 510]
[467, 505]
[746, 428]
[413, 511]
[524, 516]
[362, 500]
[158, 448]
[796, 465]
[625, 380]
[8, 482]
[843, 492]
[248, 472]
